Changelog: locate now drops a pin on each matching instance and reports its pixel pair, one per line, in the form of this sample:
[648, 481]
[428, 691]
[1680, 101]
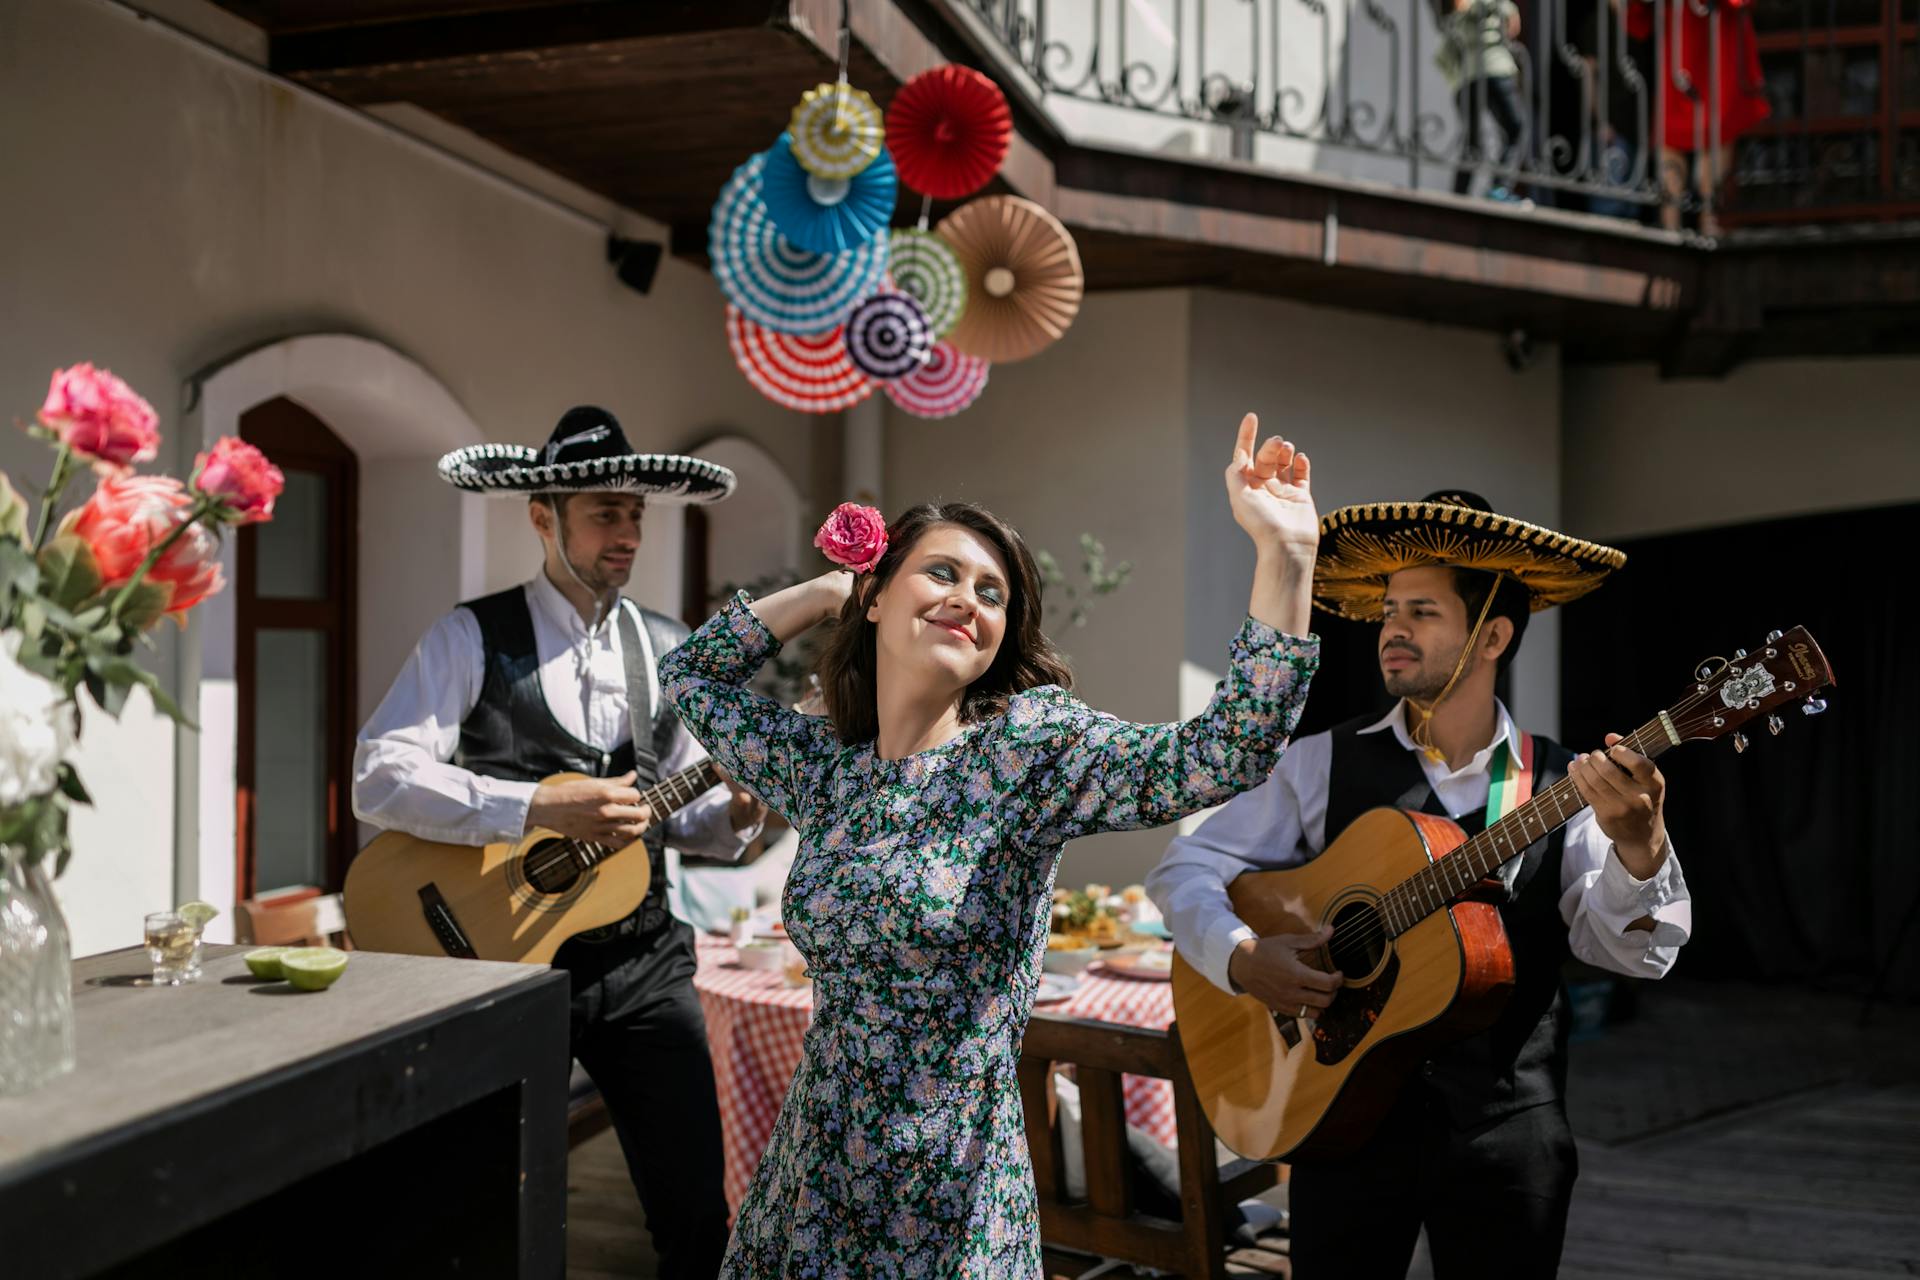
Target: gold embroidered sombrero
[1362, 546]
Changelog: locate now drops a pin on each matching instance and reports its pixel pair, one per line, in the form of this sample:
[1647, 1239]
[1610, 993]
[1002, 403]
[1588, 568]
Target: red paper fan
[811, 373]
[948, 131]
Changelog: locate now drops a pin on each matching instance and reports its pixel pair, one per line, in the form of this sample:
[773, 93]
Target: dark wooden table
[410, 1120]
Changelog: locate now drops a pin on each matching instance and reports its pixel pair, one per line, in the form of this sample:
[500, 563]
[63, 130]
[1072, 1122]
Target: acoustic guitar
[1423, 963]
[516, 901]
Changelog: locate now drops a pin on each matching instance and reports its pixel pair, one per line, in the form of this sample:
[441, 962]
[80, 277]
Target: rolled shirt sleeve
[1599, 899]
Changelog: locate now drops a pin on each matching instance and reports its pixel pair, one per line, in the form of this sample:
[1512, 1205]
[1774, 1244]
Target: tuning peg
[1739, 743]
[1775, 724]
[1773, 637]
[1813, 706]
[1739, 653]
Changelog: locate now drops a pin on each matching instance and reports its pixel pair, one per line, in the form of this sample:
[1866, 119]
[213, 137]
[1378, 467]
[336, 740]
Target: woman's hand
[1270, 493]
[1272, 501]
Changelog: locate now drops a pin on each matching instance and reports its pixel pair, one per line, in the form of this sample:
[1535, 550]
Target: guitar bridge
[445, 925]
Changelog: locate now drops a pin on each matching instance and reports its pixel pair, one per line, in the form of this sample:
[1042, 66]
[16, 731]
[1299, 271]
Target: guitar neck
[1444, 880]
[676, 791]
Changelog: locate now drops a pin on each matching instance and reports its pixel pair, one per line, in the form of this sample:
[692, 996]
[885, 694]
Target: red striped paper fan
[948, 382]
[809, 372]
[948, 130]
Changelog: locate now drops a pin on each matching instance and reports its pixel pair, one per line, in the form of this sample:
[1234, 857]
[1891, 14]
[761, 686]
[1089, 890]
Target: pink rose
[128, 516]
[241, 479]
[99, 417]
[854, 536]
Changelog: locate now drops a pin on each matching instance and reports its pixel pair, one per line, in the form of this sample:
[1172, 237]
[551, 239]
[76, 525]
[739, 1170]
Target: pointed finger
[1243, 445]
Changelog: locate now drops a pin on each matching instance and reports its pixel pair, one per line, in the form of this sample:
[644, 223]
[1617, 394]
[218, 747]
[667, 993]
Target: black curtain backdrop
[1803, 854]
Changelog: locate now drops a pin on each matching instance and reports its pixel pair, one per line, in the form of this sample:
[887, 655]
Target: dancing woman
[932, 802]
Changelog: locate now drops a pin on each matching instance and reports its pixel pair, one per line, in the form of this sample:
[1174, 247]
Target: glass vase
[36, 977]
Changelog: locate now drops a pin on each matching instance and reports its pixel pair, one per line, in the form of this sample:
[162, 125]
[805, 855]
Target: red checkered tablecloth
[756, 1022]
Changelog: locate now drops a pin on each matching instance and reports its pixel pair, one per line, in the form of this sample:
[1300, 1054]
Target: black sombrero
[587, 453]
[1362, 546]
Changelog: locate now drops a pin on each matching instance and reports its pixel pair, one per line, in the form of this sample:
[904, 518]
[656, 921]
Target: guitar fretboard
[1441, 882]
[665, 797]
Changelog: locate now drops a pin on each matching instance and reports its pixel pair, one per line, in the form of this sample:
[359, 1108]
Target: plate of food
[1141, 966]
[1068, 953]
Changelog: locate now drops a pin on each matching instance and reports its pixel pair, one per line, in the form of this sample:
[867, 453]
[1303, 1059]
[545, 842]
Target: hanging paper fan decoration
[811, 373]
[1024, 280]
[774, 281]
[922, 265]
[826, 215]
[948, 130]
[888, 336]
[948, 382]
[837, 131]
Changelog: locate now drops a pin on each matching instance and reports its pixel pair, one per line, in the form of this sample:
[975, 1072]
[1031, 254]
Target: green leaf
[90, 618]
[69, 573]
[33, 618]
[60, 860]
[71, 787]
[144, 605]
[13, 511]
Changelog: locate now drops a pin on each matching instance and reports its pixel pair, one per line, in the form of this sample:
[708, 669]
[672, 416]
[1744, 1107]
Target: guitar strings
[566, 849]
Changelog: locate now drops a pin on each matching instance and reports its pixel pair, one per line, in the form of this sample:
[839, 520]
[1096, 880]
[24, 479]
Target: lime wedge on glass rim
[265, 962]
[313, 968]
[197, 913]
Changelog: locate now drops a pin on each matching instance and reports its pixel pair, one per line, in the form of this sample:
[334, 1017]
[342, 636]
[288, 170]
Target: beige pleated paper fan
[1024, 280]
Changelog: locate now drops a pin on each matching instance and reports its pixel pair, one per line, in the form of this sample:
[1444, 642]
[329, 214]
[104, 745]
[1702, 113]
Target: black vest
[512, 733]
[1521, 1060]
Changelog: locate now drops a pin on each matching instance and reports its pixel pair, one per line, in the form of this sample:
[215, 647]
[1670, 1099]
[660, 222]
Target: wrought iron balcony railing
[1659, 110]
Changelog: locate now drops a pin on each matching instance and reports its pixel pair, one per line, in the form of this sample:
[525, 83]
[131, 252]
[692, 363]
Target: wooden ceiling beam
[491, 32]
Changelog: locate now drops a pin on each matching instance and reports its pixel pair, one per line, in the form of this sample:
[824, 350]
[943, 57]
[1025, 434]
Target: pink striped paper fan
[809, 372]
[948, 382]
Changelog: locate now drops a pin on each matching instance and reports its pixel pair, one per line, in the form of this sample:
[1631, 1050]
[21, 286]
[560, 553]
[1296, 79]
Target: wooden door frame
[297, 440]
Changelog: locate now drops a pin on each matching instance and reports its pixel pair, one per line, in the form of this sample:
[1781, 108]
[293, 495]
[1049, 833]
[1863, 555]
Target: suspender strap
[636, 653]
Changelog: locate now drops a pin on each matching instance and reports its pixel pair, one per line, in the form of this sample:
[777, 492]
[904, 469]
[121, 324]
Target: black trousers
[1493, 1198]
[639, 1032]
[1501, 96]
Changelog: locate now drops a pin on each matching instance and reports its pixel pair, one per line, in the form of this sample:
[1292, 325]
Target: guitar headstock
[1726, 693]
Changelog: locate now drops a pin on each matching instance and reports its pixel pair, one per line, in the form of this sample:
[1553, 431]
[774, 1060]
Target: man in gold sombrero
[1477, 1148]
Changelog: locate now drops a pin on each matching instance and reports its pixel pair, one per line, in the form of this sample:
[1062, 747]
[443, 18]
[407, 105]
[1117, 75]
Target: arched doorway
[418, 547]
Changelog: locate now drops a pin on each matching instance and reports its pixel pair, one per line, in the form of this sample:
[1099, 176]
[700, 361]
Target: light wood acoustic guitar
[516, 901]
[1423, 963]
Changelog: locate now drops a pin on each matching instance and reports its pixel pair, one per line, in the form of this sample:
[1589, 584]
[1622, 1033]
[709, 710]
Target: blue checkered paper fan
[776, 283]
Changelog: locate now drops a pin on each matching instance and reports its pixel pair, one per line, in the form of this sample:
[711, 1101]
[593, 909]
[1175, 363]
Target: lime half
[313, 968]
[197, 913]
[265, 963]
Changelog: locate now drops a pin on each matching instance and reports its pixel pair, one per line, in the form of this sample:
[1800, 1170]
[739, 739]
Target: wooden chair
[302, 922]
[1106, 1222]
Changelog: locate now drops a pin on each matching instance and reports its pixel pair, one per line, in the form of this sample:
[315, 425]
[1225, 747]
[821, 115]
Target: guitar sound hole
[548, 867]
[1359, 940]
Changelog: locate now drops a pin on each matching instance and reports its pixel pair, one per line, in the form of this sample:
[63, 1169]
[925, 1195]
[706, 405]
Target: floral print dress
[920, 898]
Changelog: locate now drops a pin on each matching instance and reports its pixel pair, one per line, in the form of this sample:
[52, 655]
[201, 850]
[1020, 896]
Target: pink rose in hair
[127, 517]
[241, 479]
[854, 536]
[98, 416]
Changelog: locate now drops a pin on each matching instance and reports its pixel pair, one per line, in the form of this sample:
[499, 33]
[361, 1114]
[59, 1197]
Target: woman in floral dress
[932, 802]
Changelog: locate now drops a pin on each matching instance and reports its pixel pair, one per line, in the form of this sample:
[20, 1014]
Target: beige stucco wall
[170, 207]
[1779, 438]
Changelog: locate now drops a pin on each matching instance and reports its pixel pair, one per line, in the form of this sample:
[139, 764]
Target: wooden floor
[1726, 1133]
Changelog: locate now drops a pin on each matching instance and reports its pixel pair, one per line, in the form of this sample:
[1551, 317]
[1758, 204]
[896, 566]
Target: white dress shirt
[403, 777]
[1282, 823]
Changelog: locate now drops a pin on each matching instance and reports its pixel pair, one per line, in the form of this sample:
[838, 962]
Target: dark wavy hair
[1026, 660]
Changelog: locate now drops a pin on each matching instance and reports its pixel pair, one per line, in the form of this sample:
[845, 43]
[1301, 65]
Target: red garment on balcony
[1742, 94]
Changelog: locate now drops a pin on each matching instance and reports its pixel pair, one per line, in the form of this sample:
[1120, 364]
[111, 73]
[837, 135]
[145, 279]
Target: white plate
[1055, 987]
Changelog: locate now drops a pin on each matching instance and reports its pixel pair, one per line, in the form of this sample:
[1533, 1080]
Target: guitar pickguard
[1339, 1030]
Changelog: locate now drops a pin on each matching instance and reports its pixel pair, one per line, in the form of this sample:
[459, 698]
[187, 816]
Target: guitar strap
[636, 652]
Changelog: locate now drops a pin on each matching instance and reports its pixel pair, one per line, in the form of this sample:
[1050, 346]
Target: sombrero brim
[1362, 546]
[511, 470]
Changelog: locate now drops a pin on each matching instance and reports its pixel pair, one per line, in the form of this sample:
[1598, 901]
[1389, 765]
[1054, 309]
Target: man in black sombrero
[557, 676]
[1477, 1148]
